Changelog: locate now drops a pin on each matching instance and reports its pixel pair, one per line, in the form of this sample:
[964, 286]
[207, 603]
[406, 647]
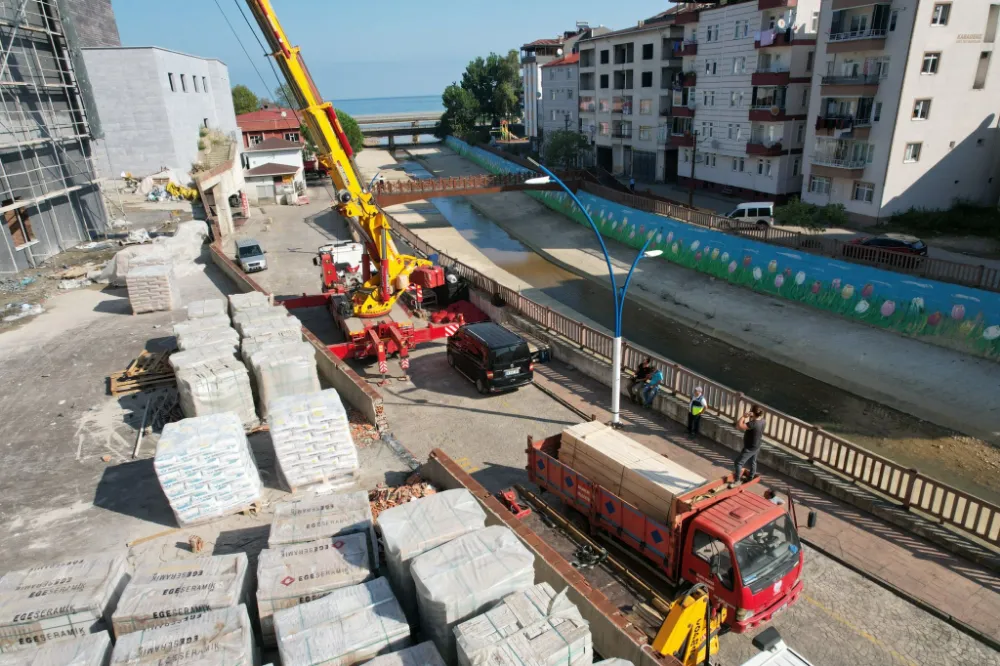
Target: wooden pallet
[148, 363]
[148, 371]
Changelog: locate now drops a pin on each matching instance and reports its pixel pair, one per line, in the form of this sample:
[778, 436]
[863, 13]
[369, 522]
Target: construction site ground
[69, 484]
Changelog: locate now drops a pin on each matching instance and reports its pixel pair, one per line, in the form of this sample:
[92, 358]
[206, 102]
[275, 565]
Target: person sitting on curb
[695, 409]
[642, 373]
[651, 387]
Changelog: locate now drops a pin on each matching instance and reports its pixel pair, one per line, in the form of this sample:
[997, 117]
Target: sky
[374, 48]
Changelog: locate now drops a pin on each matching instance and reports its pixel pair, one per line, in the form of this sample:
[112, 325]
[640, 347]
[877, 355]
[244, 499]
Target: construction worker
[752, 425]
[642, 373]
[695, 408]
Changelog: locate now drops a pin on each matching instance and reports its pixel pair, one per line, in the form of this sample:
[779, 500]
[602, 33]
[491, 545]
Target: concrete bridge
[395, 128]
[390, 118]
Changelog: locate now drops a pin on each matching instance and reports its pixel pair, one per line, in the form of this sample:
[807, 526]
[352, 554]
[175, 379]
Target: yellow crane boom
[354, 202]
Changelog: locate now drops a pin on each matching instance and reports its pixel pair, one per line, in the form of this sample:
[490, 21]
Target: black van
[492, 357]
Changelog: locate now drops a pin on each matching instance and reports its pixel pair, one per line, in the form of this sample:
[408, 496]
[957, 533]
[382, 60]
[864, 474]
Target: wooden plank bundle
[645, 479]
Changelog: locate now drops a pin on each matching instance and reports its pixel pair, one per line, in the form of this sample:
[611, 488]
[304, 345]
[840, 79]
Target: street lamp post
[619, 294]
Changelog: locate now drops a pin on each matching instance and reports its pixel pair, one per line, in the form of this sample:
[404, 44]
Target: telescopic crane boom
[356, 204]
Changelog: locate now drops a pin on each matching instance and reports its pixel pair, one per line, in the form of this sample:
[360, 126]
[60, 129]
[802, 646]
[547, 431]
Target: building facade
[153, 121]
[93, 22]
[270, 122]
[274, 171]
[560, 90]
[626, 98]
[905, 108]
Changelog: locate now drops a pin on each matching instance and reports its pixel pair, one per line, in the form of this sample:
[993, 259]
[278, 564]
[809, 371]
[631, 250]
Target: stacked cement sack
[289, 325]
[153, 288]
[295, 574]
[166, 592]
[312, 441]
[284, 369]
[69, 598]
[205, 468]
[464, 577]
[208, 337]
[240, 302]
[416, 527]
[89, 650]
[424, 654]
[183, 329]
[212, 637]
[348, 626]
[206, 308]
[322, 516]
[248, 346]
[532, 626]
[210, 380]
[258, 315]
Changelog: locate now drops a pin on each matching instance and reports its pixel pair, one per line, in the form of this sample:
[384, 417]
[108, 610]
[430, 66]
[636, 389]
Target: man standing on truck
[752, 425]
[695, 408]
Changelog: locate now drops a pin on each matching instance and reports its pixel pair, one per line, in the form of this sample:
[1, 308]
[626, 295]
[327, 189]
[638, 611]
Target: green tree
[352, 130]
[494, 83]
[563, 148]
[244, 101]
[283, 95]
[797, 213]
[461, 112]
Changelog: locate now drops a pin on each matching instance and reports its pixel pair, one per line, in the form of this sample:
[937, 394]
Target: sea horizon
[373, 106]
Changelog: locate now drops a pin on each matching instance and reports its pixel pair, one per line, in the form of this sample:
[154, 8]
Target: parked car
[491, 357]
[250, 255]
[760, 213]
[898, 250]
[894, 243]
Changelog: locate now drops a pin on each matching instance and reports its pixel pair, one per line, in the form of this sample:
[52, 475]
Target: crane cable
[240, 41]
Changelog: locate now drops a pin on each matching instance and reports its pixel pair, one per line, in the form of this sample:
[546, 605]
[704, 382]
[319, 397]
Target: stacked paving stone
[89, 650]
[297, 573]
[211, 637]
[166, 592]
[424, 654]
[532, 626]
[69, 598]
[324, 516]
[206, 308]
[205, 468]
[153, 288]
[281, 370]
[464, 577]
[312, 441]
[348, 626]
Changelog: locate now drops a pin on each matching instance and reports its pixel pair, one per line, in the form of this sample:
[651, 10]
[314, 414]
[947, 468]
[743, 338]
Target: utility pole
[694, 157]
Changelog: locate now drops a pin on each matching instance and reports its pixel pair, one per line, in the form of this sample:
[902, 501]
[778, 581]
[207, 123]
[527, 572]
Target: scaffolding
[50, 199]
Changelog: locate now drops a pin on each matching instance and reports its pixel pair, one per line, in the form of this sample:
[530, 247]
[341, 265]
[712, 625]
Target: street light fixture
[619, 294]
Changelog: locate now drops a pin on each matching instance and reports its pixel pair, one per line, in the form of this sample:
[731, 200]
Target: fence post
[910, 479]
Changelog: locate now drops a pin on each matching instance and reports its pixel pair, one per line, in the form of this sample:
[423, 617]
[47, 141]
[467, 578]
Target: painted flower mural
[725, 256]
[991, 333]
[848, 292]
[772, 266]
[862, 307]
[757, 274]
[866, 291]
[800, 278]
[715, 254]
[816, 286]
[934, 319]
[779, 280]
[732, 267]
[958, 312]
[887, 308]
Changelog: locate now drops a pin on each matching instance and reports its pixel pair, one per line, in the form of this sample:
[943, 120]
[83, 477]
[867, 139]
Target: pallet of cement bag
[466, 576]
[260, 329]
[207, 308]
[425, 654]
[312, 441]
[322, 516]
[416, 527]
[212, 336]
[531, 626]
[153, 288]
[189, 326]
[217, 386]
[165, 592]
[69, 598]
[222, 636]
[250, 345]
[183, 360]
[254, 316]
[89, 650]
[291, 575]
[206, 469]
[281, 370]
[240, 302]
[348, 626]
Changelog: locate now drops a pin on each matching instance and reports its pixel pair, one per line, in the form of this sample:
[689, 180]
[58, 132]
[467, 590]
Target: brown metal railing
[964, 512]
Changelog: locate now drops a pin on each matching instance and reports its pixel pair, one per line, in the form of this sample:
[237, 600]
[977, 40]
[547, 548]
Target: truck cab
[747, 551]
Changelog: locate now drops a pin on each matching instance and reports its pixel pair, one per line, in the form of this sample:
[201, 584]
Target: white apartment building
[625, 97]
[740, 111]
[560, 88]
[905, 107]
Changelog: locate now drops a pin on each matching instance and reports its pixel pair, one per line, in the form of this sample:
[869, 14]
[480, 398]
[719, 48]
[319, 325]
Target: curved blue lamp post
[619, 294]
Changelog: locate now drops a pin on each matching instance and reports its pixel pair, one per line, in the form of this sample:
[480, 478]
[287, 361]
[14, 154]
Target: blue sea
[380, 106]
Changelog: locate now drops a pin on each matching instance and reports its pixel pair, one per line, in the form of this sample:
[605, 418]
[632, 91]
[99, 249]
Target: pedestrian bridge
[392, 192]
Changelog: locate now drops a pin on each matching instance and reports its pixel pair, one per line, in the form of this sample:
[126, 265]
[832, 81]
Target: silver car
[250, 255]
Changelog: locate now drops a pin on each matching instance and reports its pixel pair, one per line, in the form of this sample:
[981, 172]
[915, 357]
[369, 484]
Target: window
[194, 82]
[604, 105]
[741, 30]
[921, 109]
[552, 74]
[552, 95]
[800, 133]
[912, 153]
[731, 131]
[815, 22]
[981, 70]
[738, 164]
[644, 133]
[687, 156]
[941, 12]
[739, 65]
[170, 78]
[604, 81]
[292, 136]
[864, 192]
[707, 128]
[647, 79]
[204, 84]
[796, 166]
[552, 114]
[254, 139]
[569, 94]
[991, 24]
[893, 17]
[819, 185]
[877, 113]
[645, 107]
[647, 51]
[810, 60]
[710, 159]
[184, 87]
[605, 56]
[569, 74]
[605, 128]
[805, 98]
[930, 65]
[18, 225]
[708, 33]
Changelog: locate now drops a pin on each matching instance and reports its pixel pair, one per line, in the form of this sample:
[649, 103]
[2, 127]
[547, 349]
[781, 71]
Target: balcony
[839, 158]
[775, 4]
[858, 126]
[588, 107]
[689, 80]
[869, 39]
[761, 144]
[681, 111]
[682, 140]
[839, 5]
[688, 48]
[685, 18]
[771, 75]
[666, 113]
[769, 38]
[769, 111]
[621, 133]
[861, 85]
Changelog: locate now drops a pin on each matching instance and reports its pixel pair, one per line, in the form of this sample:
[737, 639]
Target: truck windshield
[250, 251]
[768, 549]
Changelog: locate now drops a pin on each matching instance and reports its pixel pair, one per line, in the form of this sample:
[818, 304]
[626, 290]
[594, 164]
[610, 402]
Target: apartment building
[625, 102]
[906, 106]
[740, 110]
[560, 89]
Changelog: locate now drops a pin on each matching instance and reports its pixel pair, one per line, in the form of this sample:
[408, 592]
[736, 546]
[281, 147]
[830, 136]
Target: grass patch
[962, 219]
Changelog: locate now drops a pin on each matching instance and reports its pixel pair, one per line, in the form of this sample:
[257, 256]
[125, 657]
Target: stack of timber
[645, 479]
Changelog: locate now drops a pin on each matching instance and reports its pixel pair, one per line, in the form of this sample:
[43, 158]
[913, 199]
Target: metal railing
[859, 80]
[851, 35]
[838, 162]
[773, 68]
[964, 512]
[762, 139]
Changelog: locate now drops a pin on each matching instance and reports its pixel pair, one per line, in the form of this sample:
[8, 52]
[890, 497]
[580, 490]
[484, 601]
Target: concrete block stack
[425, 654]
[290, 575]
[240, 302]
[410, 529]
[88, 650]
[348, 626]
[207, 308]
[205, 468]
[323, 516]
[166, 592]
[153, 288]
[464, 577]
[212, 637]
[531, 626]
[80, 594]
[285, 369]
[312, 441]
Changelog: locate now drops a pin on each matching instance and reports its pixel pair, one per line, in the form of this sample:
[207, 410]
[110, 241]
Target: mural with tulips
[961, 317]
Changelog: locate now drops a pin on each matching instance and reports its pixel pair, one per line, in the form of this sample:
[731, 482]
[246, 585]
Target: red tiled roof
[272, 169]
[274, 144]
[571, 59]
[269, 119]
[546, 42]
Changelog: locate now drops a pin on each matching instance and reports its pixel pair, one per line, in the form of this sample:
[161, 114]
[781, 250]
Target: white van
[760, 213]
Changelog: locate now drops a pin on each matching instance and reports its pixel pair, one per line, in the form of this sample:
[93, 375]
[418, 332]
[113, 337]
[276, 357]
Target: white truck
[774, 651]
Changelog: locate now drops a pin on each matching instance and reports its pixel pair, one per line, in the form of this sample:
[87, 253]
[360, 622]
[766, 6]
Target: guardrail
[914, 491]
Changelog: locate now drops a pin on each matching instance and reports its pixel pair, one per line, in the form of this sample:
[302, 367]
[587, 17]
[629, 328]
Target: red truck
[743, 547]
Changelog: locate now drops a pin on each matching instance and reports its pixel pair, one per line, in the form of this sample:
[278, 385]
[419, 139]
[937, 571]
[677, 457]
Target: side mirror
[315, 261]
